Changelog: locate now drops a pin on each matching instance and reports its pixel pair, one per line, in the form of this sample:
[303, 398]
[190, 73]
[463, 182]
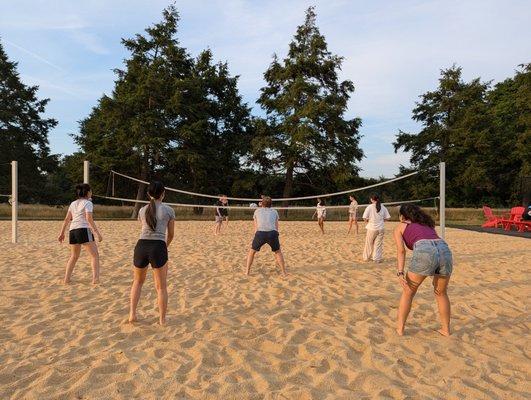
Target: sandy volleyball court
[326, 332]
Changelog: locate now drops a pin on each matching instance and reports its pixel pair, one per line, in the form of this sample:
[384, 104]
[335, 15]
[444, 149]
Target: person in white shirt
[375, 216]
[266, 232]
[352, 214]
[320, 212]
[81, 232]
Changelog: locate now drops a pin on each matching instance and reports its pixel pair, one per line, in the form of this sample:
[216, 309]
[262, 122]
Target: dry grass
[463, 216]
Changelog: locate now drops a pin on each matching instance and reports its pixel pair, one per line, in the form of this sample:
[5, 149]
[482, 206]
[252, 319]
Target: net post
[86, 171]
[442, 198]
[14, 202]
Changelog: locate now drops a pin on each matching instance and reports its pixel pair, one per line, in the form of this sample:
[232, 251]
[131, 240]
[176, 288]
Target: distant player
[353, 214]
[320, 212]
[222, 213]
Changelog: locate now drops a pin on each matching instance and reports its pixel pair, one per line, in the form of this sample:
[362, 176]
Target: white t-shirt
[78, 208]
[376, 219]
[321, 211]
[353, 207]
[266, 219]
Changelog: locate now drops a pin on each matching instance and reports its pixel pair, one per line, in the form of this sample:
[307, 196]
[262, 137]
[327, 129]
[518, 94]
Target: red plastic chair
[514, 218]
[492, 220]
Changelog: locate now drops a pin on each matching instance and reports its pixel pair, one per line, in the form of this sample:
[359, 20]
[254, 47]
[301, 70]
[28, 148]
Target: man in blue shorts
[266, 232]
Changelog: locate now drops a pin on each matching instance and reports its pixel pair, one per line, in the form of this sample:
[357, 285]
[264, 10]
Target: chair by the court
[492, 220]
[512, 219]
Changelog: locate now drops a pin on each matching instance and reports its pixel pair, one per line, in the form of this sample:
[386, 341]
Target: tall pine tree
[170, 116]
[305, 103]
[23, 132]
[482, 134]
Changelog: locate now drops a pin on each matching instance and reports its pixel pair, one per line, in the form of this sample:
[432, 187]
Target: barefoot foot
[400, 332]
[444, 332]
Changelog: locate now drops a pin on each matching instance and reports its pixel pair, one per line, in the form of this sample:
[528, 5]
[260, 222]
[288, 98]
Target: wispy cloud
[34, 55]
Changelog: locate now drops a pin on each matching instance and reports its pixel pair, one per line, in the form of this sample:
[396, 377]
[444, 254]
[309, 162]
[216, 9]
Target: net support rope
[275, 199]
[253, 208]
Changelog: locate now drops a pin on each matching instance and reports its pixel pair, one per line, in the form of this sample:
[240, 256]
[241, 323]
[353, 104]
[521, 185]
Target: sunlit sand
[327, 331]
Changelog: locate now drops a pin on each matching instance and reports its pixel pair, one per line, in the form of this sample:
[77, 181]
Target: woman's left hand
[403, 281]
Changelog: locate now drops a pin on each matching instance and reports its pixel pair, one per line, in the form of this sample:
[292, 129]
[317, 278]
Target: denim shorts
[431, 257]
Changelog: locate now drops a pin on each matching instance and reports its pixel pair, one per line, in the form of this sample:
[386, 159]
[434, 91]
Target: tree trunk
[288, 186]
[141, 192]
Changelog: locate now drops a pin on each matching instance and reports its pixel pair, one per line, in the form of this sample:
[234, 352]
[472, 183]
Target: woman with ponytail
[157, 221]
[375, 215]
[431, 257]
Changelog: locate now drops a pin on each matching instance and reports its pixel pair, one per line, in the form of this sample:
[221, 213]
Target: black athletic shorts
[266, 237]
[152, 252]
[80, 236]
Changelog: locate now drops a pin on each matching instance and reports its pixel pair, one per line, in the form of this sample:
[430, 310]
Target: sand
[326, 332]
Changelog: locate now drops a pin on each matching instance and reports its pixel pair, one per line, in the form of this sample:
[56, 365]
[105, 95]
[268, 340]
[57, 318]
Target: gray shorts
[431, 257]
[219, 219]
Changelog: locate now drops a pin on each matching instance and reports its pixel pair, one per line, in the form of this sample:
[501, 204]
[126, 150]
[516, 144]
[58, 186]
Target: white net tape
[252, 208]
[325, 195]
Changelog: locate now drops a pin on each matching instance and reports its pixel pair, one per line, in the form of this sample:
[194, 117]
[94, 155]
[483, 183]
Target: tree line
[181, 119]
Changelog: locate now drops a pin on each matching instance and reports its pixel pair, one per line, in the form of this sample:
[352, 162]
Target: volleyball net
[117, 188]
[120, 184]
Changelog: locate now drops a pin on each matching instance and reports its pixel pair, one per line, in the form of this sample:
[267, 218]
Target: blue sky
[393, 51]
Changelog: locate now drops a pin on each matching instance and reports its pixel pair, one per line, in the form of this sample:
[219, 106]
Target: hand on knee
[410, 289]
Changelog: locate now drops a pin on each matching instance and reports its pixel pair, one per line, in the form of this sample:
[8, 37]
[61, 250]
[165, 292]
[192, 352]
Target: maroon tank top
[415, 232]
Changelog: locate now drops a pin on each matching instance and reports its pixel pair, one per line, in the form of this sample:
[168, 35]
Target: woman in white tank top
[81, 232]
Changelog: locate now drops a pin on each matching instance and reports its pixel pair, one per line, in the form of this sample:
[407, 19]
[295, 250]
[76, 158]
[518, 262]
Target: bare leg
[321, 225]
[92, 249]
[350, 222]
[139, 276]
[356, 223]
[440, 284]
[75, 250]
[160, 275]
[250, 259]
[279, 258]
[414, 281]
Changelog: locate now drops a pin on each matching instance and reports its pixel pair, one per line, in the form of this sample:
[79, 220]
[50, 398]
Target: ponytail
[155, 192]
[151, 214]
[376, 198]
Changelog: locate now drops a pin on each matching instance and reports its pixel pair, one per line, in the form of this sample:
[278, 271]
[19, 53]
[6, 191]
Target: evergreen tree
[453, 118]
[482, 134]
[510, 155]
[169, 116]
[23, 132]
[305, 105]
